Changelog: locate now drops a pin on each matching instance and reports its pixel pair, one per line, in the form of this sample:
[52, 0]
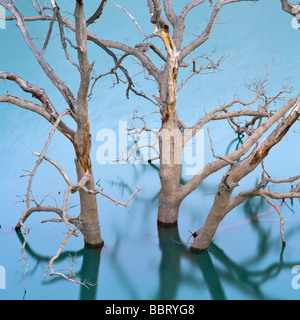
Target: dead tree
[174, 134]
[257, 116]
[87, 222]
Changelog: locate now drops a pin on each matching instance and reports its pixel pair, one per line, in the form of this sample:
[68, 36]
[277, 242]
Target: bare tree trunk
[171, 135]
[170, 142]
[170, 167]
[90, 227]
[217, 213]
[82, 142]
[223, 202]
[168, 209]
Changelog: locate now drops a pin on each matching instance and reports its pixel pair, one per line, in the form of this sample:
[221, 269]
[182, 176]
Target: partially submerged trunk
[90, 226]
[170, 140]
[223, 203]
[205, 234]
[82, 142]
[169, 173]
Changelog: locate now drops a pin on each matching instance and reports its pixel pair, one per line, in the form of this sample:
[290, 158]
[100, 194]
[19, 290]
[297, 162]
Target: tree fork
[238, 171]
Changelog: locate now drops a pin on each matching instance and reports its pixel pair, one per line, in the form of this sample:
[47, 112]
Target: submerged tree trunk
[217, 213]
[90, 226]
[237, 171]
[169, 173]
[82, 142]
[168, 209]
[170, 140]
[170, 144]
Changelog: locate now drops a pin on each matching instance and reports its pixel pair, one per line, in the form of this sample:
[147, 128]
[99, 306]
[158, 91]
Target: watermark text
[2, 277]
[161, 146]
[2, 18]
[295, 21]
[296, 278]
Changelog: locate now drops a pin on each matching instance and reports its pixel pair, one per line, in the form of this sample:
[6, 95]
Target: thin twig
[280, 215]
[213, 152]
[132, 18]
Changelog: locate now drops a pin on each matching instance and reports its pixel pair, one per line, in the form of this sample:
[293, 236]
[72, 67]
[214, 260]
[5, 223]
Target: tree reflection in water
[214, 272]
[215, 266]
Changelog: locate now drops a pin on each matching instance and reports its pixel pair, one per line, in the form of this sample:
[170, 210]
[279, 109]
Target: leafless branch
[62, 212]
[56, 165]
[63, 38]
[213, 152]
[147, 63]
[260, 190]
[280, 215]
[97, 13]
[189, 7]
[54, 17]
[38, 9]
[206, 33]
[212, 67]
[293, 104]
[169, 11]
[222, 202]
[139, 130]
[118, 65]
[46, 110]
[60, 85]
[39, 161]
[134, 21]
[28, 199]
[263, 109]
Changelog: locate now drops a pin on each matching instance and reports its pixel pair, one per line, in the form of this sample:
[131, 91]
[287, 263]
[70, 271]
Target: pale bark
[89, 212]
[238, 171]
[172, 192]
[170, 171]
[214, 166]
[88, 220]
[257, 122]
[46, 109]
[292, 9]
[60, 85]
[82, 142]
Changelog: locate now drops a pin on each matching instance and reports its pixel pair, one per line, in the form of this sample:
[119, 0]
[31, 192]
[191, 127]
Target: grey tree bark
[172, 193]
[237, 171]
[82, 140]
[88, 220]
[174, 134]
[169, 172]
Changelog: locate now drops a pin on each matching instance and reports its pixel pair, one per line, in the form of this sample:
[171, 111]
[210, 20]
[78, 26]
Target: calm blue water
[139, 261]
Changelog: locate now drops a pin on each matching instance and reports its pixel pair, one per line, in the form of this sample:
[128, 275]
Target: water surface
[140, 261]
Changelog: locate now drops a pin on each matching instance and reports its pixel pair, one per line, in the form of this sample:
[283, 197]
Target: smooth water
[140, 261]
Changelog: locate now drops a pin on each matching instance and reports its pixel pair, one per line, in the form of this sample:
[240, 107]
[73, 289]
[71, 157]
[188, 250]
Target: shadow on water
[212, 272]
[215, 266]
[89, 271]
[169, 269]
[171, 277]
